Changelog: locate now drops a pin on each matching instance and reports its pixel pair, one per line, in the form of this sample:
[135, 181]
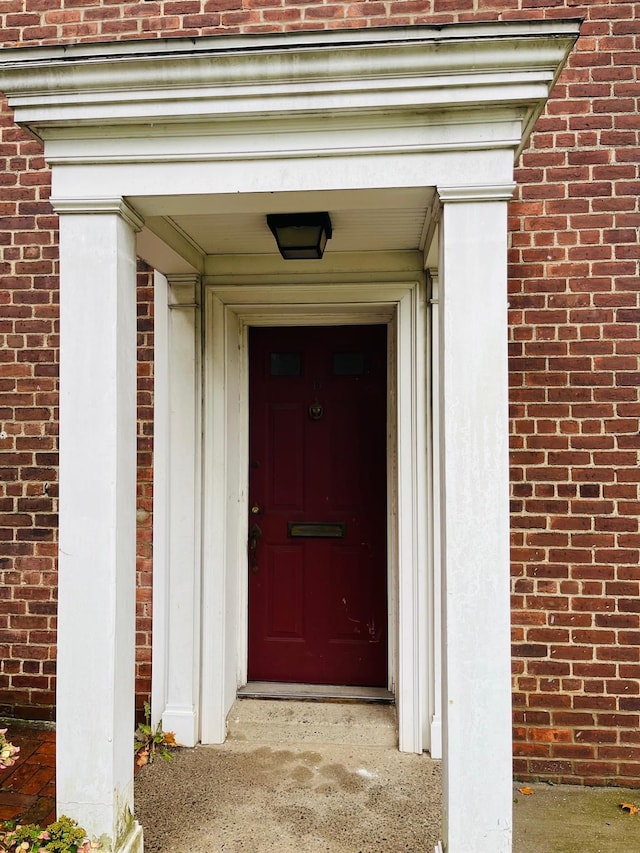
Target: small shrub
[149, 742]
[62, 836]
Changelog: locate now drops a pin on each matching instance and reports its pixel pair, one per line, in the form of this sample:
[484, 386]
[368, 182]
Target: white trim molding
[435, 555]
[157, 114]
[464, 67]
[161, 497]
[476, 192]
[98, 206]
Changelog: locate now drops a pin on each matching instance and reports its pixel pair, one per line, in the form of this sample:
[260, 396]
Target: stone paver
[27, 789]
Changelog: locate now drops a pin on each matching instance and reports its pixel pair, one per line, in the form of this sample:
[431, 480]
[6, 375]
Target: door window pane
[348, 363]
[286, 363]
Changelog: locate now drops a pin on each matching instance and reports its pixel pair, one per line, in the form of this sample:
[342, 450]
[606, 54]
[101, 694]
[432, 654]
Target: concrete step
[269, 721]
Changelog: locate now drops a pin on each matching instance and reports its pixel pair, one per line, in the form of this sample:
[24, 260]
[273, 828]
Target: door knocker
[316, 410]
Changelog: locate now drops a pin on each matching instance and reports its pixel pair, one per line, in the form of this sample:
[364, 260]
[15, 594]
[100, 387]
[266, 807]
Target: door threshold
[315, 692]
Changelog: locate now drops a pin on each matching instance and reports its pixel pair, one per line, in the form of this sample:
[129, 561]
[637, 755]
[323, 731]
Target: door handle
[254, 534]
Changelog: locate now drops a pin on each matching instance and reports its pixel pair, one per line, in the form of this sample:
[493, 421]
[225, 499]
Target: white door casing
[229, 310]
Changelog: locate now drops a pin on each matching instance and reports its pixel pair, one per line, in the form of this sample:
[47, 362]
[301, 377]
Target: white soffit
[216, 234]
[362, 221]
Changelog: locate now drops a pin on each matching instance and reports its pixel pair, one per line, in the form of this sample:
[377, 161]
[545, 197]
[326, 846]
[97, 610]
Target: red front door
[317, 545]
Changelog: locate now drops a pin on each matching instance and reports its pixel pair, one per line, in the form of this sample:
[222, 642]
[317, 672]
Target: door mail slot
[316, 529]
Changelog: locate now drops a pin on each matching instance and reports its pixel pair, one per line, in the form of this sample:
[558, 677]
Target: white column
[180, 539]
[96, 612]
[475, 520]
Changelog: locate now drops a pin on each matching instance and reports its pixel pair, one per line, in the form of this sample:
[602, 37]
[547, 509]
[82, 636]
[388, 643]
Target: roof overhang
[463, 69]
[232, 127]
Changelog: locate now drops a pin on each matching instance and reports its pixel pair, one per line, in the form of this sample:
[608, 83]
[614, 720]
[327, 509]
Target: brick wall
[574, 340]
[574, 392]
[28, 427]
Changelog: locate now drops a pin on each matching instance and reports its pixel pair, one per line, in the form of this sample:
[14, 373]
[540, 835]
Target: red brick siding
[574, 347]
[574, 339]
[28, 478]
[28, 427]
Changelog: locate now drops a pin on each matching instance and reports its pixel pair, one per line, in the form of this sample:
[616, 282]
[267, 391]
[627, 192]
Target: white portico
[175, 151]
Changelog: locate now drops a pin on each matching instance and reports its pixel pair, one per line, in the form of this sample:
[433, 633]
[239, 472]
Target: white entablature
[210, 125]
[352, 78]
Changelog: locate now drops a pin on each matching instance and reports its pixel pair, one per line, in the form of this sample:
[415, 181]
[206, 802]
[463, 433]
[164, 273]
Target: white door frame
[228, 312]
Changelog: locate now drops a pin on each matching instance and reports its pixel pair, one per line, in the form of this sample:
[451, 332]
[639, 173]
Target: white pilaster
[96, 612]
[475, 520]
[180, 541]
[435, 637]
[412, 515]
[161, 495]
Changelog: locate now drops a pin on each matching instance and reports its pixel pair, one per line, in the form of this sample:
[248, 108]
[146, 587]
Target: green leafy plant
[62, 836]
[149, 742]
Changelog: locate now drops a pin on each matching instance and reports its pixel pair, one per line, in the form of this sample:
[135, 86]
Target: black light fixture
[300, 236]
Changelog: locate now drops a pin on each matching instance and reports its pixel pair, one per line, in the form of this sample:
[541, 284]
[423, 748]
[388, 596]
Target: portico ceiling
[363, 220]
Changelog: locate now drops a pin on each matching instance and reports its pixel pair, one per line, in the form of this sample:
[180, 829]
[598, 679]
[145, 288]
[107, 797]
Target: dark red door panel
[317, 576]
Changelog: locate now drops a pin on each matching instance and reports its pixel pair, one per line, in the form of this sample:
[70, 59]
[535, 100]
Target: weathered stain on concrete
[245, 797]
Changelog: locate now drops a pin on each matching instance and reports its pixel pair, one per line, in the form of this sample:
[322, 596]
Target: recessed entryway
[379, 328]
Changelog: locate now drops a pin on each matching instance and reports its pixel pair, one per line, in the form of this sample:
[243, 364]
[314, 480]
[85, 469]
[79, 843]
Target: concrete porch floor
[294, 776]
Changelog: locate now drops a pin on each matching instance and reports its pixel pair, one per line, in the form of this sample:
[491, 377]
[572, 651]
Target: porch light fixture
[300, 236]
